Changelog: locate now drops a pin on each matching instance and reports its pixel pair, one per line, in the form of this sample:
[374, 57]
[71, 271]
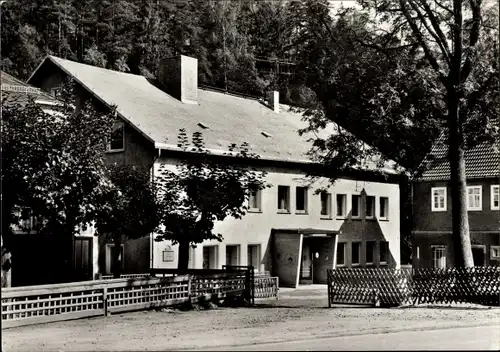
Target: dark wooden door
[82, 259]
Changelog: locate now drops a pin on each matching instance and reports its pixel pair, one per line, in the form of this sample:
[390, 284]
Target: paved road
[468, 338]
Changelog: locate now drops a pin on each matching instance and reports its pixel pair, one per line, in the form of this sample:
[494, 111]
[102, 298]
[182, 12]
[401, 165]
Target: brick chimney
[179, 75]
[273, 100]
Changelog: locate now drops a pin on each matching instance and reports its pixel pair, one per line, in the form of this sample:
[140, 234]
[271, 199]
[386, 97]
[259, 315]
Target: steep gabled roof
[223, 119]
[15, 91]
[481, 161]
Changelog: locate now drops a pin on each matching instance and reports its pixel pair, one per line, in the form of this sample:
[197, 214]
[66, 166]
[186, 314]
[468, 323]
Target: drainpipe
[151, 239]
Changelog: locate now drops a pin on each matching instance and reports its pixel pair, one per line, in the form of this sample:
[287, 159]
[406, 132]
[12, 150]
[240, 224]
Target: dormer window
[56, 91]
[117, 140]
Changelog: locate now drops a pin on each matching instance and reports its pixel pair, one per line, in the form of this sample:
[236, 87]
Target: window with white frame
[341, 253]
[355, 205]
[56, 91]
[474, 198]
[341, 205]
[355, 253]
[116, 142]
[253, 256]
[254, 199]
[370, 207]
[233, 255]
[384, 208]
[113, 258]
[301, 200]
[439, 256]
[370, 250]
[210, 257]
[326, 205]
[384, 252]
[283, 199]
[495, 252]
[438, 199]
[495, 198]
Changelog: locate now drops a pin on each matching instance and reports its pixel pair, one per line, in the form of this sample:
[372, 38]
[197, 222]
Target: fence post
[105, 301]
[190, 282]
[277, 288]
[329, 283]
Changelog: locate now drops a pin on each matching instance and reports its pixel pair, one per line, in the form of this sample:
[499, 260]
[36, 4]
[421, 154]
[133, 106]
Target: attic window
[265, 134]
[202, 125]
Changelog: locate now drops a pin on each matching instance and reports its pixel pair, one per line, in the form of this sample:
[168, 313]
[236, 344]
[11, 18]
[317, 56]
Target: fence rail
[50, 303]
[386, 286]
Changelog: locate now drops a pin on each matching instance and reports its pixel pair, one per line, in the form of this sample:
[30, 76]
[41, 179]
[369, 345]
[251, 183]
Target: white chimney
[179, 75]
[273, 100]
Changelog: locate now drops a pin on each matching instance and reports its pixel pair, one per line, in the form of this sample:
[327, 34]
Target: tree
[431, 64]
[53, 166]
[130, 209]
[203, 190]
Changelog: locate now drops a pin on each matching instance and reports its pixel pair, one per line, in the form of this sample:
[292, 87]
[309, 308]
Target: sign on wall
[168, 254]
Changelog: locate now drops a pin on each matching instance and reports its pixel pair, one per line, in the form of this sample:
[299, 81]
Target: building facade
[289, 231]
[432, 235]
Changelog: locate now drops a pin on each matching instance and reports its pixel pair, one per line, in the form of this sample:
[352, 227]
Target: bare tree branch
[439, 41]
[447, 9]
[473, 39]
[435, 25]
[420, 38]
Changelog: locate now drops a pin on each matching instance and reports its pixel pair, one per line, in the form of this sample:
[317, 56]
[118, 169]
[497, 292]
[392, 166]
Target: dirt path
[290, 318]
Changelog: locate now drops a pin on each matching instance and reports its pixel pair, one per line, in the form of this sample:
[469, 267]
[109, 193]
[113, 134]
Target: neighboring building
[289, 230]
[35, 257]
[432, 235]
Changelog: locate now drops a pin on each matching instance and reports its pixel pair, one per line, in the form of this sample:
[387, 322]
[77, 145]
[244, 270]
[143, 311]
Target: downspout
[151, 239]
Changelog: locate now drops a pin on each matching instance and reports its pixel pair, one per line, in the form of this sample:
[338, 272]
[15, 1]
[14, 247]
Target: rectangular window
[438, 199]
[233, 255]
[384, 208]
[370, 250]
[439, 257]
[56, 91]
[117, 140]
[384, 252]
[283, 199]
[356, 249]
[301, 200]
[474, 198]
[210, 257]
[254, 199]
[326, 205]
[340, 253]
[370, 207]
[341, 205]
[254, 256]
[355, 211]
[495, 252]
[111, 259]
[495, 198]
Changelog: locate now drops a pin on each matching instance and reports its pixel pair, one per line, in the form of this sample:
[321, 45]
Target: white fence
[49, 303]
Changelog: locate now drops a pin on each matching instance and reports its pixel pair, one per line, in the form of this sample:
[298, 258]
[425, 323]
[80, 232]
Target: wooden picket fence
[49, 303]
[392, 287]
[266, 287]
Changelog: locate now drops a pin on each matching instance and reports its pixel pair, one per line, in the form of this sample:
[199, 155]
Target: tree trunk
[6, 268]
[458, 186]
[183, 263]
[117, 256]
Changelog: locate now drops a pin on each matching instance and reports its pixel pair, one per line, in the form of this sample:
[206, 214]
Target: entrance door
[306, 263]
[82, 259]
[479, 255]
